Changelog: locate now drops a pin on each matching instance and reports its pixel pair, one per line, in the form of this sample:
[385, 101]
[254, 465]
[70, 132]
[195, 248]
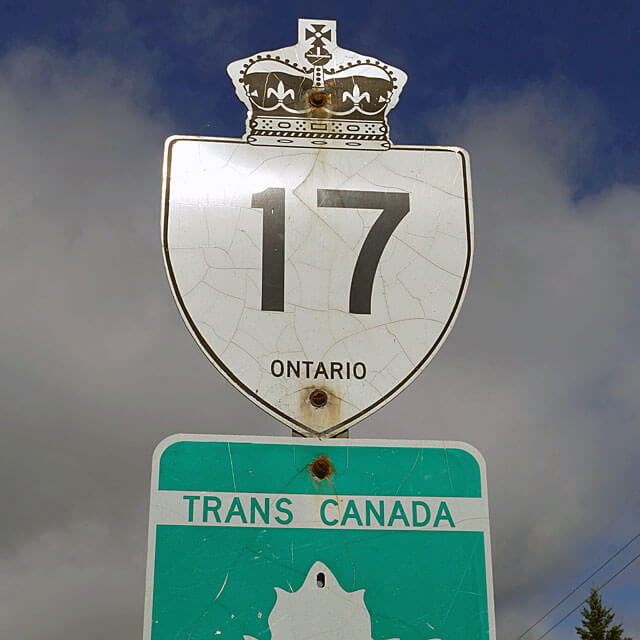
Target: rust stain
[318, 398]
[318, 99]
[322, 467]
[316, 412]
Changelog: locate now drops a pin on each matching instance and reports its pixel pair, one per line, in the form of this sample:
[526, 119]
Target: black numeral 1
[271, 201]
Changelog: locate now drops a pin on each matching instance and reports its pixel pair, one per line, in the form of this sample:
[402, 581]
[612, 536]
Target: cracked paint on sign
[214, 244]
[245, 543]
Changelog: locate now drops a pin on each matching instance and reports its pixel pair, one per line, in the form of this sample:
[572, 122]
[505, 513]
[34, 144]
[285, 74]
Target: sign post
[256, 538]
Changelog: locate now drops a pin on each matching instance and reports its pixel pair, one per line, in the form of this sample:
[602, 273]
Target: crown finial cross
[319, 32]
[318, 55]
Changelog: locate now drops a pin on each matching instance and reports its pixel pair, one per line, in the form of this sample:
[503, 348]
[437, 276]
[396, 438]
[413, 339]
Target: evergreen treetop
[597, 620]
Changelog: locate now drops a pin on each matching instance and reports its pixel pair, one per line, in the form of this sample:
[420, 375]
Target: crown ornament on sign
[316, 94]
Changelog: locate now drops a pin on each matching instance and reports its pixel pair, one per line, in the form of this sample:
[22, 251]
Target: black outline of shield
[229, 375]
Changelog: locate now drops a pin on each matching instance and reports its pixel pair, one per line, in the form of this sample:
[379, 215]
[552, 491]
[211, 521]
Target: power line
[604, 564]
[602, 586]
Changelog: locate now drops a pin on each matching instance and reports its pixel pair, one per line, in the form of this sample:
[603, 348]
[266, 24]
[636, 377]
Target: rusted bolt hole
[318, 99]
[318, 398]
[320, 580]
[321, 468]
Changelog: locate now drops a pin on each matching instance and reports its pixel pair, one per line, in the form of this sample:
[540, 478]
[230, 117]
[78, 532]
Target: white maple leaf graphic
[320, 608]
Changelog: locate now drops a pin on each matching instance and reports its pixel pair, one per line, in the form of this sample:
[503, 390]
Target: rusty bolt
[318, 99]
[321, 467]
[318, 398]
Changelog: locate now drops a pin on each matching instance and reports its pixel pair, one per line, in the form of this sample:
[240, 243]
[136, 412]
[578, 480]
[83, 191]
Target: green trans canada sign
[247, 542]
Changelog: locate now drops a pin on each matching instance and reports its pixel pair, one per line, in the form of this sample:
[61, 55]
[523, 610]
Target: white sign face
[319, 281]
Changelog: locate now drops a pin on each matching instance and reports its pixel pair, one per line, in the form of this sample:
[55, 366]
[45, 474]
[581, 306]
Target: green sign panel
[303, 539]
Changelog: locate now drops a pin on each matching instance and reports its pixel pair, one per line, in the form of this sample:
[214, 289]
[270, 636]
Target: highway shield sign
[333, 271]
[317, 265]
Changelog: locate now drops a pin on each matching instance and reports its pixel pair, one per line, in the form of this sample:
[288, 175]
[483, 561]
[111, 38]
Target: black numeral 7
[394, 206]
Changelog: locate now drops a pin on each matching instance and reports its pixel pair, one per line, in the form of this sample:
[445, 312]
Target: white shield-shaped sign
[318, 266]
[301, 270]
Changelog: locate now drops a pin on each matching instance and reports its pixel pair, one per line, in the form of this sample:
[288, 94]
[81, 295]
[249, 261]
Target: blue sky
[447, 48]
[541, 372]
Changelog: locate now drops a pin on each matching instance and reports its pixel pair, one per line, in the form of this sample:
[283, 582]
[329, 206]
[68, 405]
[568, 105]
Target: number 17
[395, 207]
